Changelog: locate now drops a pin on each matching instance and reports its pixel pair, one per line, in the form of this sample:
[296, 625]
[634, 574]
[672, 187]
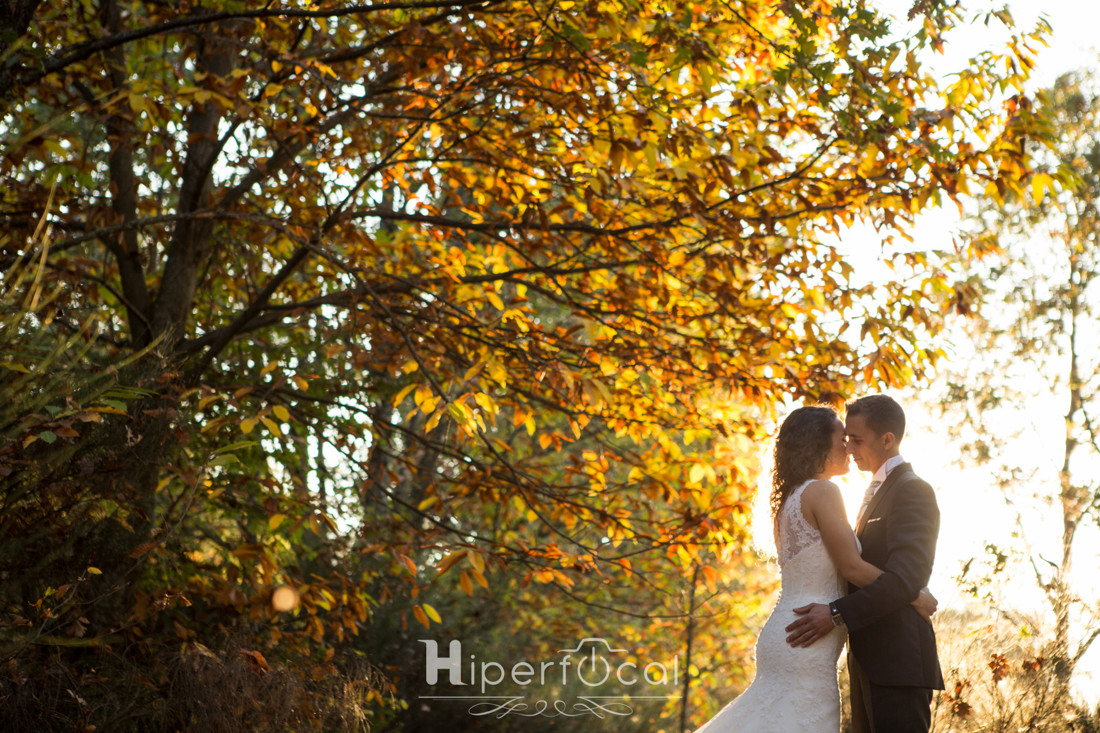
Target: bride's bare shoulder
[821, 486]
[821, 490]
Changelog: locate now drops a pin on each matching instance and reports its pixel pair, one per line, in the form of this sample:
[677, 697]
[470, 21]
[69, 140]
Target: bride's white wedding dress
[795, 690]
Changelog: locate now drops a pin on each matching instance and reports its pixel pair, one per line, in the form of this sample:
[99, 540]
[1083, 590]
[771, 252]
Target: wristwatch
[838, 620]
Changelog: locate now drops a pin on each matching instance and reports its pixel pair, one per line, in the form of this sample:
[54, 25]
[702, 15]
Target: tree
[1037, 330]
[486, 282]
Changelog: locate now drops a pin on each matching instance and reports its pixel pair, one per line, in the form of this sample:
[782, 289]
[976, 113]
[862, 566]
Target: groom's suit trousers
[878, 709]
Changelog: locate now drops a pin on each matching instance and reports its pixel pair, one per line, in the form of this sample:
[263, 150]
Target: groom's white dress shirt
[876, 481]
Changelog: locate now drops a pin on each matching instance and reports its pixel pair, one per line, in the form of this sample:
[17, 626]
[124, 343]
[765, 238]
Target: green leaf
[575, 37]
[236, 446]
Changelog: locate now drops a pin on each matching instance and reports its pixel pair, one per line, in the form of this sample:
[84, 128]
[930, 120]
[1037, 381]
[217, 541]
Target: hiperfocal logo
[592, 662]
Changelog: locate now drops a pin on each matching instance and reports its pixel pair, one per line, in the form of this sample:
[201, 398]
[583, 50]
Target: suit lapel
[880, 495]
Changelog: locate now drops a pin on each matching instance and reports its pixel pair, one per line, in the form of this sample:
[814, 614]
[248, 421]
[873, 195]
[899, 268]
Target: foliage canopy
[444, 294]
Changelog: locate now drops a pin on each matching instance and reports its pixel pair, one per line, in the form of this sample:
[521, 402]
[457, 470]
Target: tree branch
[83, 51]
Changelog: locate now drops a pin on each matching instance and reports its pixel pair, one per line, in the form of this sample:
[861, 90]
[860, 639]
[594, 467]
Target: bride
[795, 690]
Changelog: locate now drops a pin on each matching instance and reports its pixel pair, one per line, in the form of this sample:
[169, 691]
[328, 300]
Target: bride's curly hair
[801, 450]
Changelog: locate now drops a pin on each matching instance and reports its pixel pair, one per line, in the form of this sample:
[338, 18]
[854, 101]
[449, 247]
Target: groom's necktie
[867, 496]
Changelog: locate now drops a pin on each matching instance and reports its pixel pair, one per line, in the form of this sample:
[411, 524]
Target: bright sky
[973, 511]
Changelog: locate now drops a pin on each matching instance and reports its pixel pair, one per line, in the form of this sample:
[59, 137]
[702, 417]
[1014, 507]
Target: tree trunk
[190, 243]
[688, 648]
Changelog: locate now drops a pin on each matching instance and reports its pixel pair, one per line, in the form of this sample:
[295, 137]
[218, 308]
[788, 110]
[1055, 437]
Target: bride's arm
[823, 507]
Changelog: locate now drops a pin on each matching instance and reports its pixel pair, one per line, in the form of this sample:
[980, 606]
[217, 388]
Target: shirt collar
[887, 466]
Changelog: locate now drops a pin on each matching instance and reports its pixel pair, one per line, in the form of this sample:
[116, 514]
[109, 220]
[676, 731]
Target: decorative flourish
[554, 709]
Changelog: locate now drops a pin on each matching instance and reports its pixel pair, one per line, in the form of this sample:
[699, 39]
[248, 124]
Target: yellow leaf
[271, 425]
[94, 571]
[430, 501]
[275, 520]
[248, 425]
[498, 373]
[300, 383]
[432, 613]
[698, 473]
[282, 413]
[459, 412]
[433, 421]
[1040, 183]
[423, 398]
[137, 102]
[485, 402]
[476, 560]
[397, 398]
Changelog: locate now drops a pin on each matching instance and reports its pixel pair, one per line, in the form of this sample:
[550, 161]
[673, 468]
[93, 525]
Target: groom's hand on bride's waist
[814, 622]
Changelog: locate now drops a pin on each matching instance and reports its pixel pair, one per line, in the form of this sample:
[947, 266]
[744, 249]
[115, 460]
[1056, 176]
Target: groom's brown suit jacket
[892, 643]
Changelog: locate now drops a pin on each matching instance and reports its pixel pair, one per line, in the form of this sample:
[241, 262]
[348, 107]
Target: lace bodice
[807, 570]
[793, 533]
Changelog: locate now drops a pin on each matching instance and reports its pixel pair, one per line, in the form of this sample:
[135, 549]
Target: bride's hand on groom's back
[926, 604]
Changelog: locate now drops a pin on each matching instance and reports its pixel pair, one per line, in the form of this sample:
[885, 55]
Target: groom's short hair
[882, 413]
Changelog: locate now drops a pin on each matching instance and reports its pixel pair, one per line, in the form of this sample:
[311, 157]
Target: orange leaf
[256, 661]
[479, 578]
[449, 562]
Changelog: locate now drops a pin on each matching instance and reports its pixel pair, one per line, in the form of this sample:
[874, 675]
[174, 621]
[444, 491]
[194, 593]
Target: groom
[892, 661]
